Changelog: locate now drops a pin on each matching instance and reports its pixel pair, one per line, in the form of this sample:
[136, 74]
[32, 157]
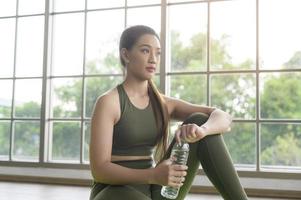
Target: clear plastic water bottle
[180, 153]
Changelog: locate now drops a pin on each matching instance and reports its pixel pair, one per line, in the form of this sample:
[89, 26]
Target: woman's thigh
[113, 192]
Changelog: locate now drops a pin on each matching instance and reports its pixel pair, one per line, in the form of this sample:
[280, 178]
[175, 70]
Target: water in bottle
[180, 153]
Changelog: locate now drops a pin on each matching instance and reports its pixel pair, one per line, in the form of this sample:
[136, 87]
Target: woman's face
[144, 57]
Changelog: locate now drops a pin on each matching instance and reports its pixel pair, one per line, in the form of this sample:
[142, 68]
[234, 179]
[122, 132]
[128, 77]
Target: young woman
[129, 153]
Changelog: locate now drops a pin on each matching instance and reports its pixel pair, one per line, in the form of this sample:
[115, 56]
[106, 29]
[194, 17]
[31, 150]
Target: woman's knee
[197, 118]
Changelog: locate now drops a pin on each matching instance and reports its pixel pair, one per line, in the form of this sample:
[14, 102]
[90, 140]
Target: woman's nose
[152, 58]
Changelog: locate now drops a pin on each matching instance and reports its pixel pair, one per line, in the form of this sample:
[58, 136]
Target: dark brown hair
[127, 40]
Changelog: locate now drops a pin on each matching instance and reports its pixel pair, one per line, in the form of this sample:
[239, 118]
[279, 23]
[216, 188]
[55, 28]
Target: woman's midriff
[129, 158]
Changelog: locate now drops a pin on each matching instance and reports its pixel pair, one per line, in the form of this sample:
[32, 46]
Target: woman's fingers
[176, 167]
[177, 175]
[188, 133]
[191, 132]
[177, 179]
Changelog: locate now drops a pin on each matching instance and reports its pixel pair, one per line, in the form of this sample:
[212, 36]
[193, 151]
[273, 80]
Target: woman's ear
[125, 55]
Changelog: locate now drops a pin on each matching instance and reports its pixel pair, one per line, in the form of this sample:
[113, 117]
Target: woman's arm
[106, 113]
[218, 122]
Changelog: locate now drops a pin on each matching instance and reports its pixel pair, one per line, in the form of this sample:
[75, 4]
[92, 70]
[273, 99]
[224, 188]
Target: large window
[57, 57]
[243, 57]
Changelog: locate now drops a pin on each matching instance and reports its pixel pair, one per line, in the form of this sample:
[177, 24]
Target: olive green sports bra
[135, 134]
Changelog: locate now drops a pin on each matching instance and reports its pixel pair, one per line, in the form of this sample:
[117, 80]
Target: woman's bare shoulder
[108, 96]
[109, 103]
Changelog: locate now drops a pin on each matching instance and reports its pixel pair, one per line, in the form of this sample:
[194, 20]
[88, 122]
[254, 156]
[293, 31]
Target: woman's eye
[159, 53]
[145, 50]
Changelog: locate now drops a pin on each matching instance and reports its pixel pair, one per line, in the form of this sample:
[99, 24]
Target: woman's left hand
[190, 133]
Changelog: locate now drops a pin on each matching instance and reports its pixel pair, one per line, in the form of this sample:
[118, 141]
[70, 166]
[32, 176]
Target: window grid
[12, 119]
[165, 74]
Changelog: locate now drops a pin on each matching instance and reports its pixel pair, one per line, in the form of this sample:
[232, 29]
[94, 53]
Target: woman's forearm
[218, 122]
[110, 173]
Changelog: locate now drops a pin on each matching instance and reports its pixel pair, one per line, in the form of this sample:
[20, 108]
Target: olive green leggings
[210, 151]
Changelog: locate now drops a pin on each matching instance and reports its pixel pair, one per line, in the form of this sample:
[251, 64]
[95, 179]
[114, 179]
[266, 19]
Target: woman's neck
[135, 87]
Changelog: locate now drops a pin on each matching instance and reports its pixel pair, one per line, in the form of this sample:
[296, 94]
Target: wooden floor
[29, 191]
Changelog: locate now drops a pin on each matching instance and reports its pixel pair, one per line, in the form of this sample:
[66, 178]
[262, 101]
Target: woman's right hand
[169, 174]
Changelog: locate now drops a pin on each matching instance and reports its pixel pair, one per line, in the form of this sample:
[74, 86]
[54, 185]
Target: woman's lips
[151, 69]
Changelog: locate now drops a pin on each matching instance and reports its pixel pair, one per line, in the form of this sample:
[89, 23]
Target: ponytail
[161, 115]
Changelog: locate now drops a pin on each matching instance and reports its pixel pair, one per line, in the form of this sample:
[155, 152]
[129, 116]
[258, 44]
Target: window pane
[66, 5]
[31, 7]
[65, 141]
[191, 88]
[7, 41]
[94, 4]
[4, 139]
[188, 41]
[67, 97]
[28, 95]
[280, 145]
[87, 141]
[26, 141]
[102, 52]
[30, 46]
[6, 88]
[67, 44]
[8, 8]
[233, 34]
[241, 143]
[141, 16]
[142, 2]
[96, 87]
[280, 95]
[279, 34]
[234, 94]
